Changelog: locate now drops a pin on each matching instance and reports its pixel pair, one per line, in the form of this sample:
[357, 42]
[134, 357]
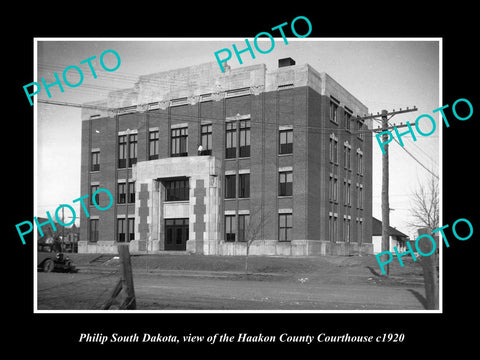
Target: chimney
[285, 62]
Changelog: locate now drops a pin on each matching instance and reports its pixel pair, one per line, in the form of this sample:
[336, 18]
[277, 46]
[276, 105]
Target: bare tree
[426, 206]
[253, 229]
[426, 215]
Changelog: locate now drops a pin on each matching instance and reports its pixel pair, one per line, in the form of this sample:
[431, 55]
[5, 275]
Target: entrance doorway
[176, 234]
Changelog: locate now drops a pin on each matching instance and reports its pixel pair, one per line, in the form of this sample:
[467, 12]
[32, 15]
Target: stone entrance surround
[202, 209]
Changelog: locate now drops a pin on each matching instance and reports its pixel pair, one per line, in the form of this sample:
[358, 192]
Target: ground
[194, 282]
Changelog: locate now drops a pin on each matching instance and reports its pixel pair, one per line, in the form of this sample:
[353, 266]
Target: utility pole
[385, 202]
[123, 295]
[385, 173]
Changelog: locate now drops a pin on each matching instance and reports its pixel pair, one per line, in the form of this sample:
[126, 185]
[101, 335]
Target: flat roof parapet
[202, 82]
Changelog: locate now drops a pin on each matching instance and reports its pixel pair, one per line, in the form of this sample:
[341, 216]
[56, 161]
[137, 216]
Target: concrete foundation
[293, 248]
[258, 247]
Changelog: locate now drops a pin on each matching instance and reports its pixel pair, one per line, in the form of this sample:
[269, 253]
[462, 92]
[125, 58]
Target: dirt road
[84, 291]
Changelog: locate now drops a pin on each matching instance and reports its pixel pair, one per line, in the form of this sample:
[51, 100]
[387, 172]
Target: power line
[423, 152]
[414, 158]
[418, 161]
[130, 77]
[197, 118]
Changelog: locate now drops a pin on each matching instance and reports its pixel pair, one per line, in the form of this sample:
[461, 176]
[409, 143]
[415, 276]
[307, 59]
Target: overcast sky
[381, 73]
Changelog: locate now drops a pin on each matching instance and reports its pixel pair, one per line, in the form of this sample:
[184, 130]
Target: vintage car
[59, 263]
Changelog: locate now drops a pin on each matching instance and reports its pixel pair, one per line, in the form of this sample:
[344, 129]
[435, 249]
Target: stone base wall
[294, 248]
[258, 247]
[100, 247]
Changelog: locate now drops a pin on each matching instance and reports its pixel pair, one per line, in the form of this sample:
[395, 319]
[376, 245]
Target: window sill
[176, 201]
[287, 154]
[285, 196]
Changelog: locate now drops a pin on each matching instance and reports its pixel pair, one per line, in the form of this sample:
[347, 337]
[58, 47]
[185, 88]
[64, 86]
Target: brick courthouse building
[281, 160]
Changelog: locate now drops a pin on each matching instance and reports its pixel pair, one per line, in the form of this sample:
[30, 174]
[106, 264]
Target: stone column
[154, 233]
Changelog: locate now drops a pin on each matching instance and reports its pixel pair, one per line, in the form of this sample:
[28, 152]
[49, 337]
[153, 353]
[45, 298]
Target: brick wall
[302, 107]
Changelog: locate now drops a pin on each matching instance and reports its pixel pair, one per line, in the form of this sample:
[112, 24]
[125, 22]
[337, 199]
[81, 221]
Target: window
[244, 138]
[346, 229]
[286, 141]
[330, 188]
[177, 190]
[347, 195]
[206, 137]
[122, 151]
[125, 146]
[333, 149]
[93, 230]
[333, 191]
[285, 227]
[333, 110]
[359, 162]
[347, 118]
[244, 186]
[93, 189]
[230, 228]
[359, 129]
[230, 186]
[122, 193]
[121, 230]
[131, 229]
[131, 192]
[231, 140]
[332, 227]
[153, 145]
[285, 186]
[133, 150]
[359, 196]
[179, 142]
[347, 156]
[360, 230]
[243, 222]
[95, 161]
